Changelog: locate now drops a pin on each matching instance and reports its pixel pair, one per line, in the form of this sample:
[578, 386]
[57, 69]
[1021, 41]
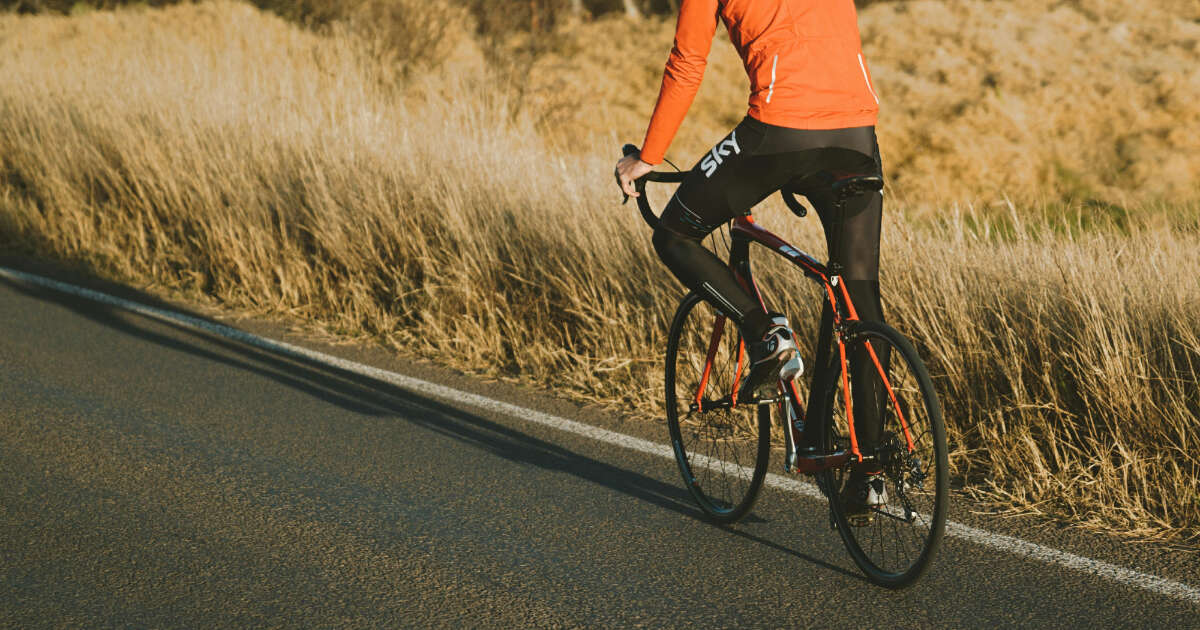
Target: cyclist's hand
[630, 168]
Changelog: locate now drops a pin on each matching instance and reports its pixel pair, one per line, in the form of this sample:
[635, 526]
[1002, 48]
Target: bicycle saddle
[845, 186]
[848, 185]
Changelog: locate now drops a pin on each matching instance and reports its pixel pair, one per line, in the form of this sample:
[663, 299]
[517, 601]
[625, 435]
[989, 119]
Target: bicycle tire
[722, 452]
[911, 524]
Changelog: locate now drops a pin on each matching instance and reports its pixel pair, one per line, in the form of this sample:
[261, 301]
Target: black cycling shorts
[757, 159]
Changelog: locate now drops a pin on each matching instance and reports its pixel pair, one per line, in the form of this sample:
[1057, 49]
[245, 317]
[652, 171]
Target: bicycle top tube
[745, 227]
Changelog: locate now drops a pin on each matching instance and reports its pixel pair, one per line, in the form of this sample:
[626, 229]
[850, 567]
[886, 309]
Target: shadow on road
[368, 396]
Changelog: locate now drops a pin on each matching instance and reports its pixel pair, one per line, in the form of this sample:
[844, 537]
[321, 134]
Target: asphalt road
[155, 476]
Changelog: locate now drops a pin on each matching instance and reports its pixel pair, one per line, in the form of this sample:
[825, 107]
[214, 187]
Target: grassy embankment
[224, 153]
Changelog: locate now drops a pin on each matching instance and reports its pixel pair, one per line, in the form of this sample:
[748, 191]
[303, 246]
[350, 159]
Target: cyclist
[812, 114]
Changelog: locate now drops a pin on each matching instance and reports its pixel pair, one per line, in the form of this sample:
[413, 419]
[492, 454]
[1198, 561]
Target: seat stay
[852, 315]
[892, 394]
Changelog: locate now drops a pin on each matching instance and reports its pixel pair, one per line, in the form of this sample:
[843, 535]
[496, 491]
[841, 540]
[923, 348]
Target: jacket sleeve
[681, 78]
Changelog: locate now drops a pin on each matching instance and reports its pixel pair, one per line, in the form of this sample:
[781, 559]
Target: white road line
[1008, 544]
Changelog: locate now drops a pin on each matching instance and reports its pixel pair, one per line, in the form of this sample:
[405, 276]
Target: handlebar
[640, 186]
[789, 196]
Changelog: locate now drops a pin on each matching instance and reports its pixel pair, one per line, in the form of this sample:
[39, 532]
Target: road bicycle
[722, 436]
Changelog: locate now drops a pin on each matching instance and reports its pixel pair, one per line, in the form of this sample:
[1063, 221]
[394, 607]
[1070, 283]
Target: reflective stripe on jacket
[803, 57]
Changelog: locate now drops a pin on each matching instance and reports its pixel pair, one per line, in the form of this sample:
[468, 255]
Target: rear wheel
[896, 541]
[721, 449]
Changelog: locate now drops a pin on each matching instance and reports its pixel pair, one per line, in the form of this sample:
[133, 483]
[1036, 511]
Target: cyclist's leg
[679, 247]
[858, 251]
[722, 185]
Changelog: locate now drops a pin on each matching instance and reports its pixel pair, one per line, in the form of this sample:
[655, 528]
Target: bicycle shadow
[369, 396]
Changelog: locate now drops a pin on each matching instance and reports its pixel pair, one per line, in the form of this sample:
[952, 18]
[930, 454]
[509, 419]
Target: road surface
[156, 475]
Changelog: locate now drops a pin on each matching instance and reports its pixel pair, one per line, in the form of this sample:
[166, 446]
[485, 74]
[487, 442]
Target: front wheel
[721, 447]
[889, 388]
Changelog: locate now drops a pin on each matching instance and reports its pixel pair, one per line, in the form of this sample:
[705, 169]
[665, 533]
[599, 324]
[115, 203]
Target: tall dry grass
[220, 151]
[982, 100]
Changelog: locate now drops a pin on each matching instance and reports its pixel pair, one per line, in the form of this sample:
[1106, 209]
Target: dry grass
[982, 100]
[223, 152]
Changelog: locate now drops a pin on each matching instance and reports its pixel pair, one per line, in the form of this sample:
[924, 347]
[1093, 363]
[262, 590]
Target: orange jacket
[803, 57]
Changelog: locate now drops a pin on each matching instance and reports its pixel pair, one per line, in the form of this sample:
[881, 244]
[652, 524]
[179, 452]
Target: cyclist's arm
[681, 78]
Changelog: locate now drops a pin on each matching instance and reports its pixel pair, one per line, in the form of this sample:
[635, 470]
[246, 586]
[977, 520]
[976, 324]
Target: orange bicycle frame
[744, 231]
